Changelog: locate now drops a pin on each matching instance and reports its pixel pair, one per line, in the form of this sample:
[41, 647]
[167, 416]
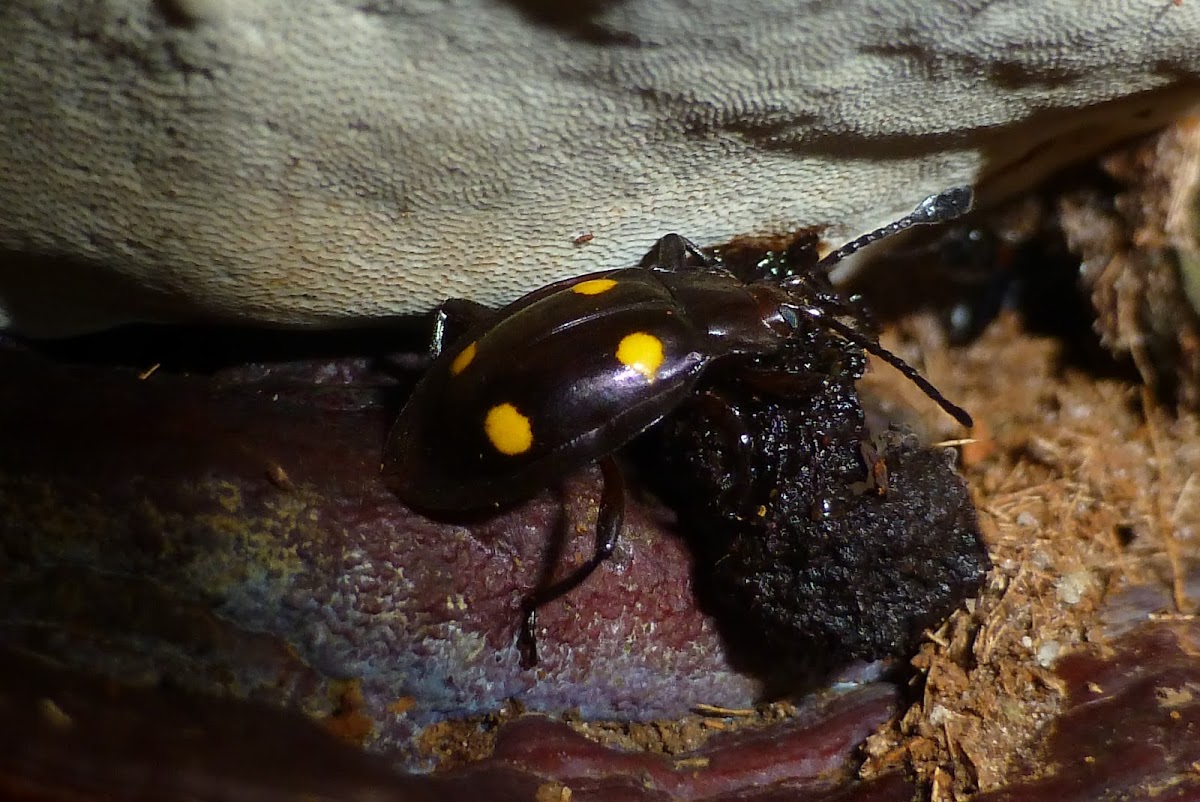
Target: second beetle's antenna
[939, 208]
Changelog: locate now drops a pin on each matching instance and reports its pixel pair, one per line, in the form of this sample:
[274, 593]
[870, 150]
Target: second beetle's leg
[610, 518]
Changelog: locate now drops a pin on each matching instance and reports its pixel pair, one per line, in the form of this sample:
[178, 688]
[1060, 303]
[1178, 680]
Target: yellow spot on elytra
[464, 358]
[508, 430]
[594, 286]
[641, 351]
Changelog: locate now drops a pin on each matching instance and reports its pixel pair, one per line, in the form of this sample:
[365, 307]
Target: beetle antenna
[939, 208]
[875, 349]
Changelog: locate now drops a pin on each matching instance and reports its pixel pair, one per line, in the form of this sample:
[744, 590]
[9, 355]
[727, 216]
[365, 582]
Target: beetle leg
[527, 640]
[731, 423]
[784, 385]
[453, 317]
[674, 253]
[610, 517]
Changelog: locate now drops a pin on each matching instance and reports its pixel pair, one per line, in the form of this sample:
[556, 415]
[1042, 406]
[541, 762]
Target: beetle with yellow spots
[569, 373]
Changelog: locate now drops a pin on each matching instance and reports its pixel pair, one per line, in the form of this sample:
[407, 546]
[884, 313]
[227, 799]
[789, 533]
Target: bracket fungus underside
[335, 162]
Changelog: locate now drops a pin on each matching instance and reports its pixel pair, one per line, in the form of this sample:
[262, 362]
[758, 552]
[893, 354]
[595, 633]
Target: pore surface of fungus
[336, 162]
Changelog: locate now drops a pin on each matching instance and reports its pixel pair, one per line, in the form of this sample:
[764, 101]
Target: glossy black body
[551, 354]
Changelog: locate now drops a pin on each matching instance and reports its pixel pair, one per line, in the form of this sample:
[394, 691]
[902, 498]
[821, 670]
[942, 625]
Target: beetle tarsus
[527, 638]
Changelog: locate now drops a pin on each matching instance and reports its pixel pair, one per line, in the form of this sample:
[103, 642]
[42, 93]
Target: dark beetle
[571, 372]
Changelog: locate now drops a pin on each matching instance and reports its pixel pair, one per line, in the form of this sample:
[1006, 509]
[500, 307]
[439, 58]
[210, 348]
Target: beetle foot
[527, 638]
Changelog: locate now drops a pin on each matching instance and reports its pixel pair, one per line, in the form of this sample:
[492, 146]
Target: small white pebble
[1080, 411]
[1027, 642]
[1047, 653]
[1027, 518]
[1071, 587]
